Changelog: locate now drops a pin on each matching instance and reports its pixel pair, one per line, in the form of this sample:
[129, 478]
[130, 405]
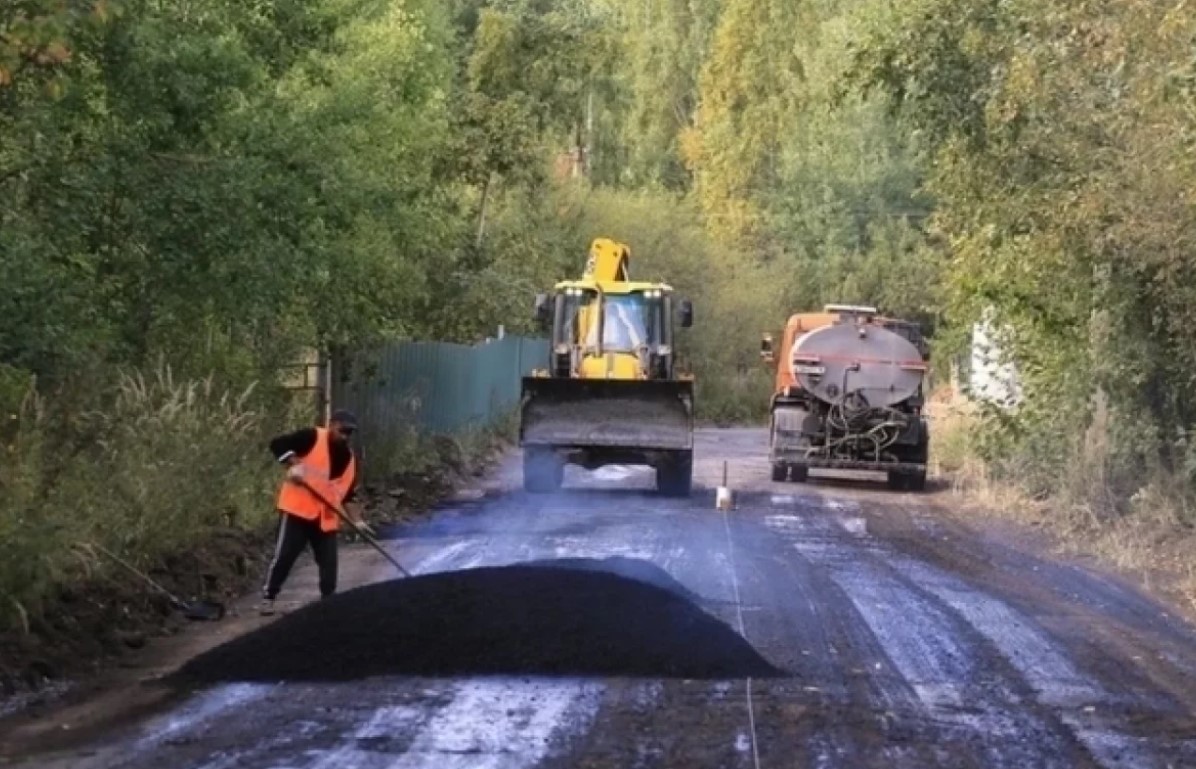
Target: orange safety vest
[294, 499]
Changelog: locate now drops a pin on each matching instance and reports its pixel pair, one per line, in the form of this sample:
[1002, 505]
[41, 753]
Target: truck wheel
[916, 481]
[897, 481]
[543, 471]
[780, 471]
[799, 473]
[674, 476]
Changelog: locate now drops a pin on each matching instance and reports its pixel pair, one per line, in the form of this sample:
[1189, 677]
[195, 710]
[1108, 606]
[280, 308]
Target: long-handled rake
[196, 610]
[369, 538]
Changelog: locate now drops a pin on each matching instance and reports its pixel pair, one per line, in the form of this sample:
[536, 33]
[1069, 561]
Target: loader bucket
[607, 413]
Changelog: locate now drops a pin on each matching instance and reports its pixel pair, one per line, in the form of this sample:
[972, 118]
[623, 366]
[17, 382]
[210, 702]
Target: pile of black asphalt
[574, 617]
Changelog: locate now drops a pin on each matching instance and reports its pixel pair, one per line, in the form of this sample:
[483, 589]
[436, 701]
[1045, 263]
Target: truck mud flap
[611, 413]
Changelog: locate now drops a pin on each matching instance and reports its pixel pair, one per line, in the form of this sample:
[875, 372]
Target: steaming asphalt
[911, 642]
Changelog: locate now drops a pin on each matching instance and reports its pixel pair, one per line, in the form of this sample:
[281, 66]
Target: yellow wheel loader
[611, 393]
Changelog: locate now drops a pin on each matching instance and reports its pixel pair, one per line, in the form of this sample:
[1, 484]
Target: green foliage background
[1062, 142]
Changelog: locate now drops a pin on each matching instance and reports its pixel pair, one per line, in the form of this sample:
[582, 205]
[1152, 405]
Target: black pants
[294, 534]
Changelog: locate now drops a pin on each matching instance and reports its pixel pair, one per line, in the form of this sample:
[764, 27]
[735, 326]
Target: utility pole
[586, 152]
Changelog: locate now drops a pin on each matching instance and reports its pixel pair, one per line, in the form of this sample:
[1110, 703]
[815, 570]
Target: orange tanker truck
[848, 396]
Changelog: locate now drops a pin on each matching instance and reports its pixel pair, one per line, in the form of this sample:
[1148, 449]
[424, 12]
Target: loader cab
[629, 328]
[603, 322]
[911, 331]
[767, 349]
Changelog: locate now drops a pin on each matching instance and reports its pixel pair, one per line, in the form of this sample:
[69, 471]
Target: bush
[735, 398]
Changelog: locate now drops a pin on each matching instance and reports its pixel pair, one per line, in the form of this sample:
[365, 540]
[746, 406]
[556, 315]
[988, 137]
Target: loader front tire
[543, 471]
[674, 476]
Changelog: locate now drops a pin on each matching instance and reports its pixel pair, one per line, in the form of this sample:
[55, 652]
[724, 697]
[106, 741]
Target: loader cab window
[629, 321]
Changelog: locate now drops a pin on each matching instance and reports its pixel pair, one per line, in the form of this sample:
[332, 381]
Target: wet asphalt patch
[549, 618]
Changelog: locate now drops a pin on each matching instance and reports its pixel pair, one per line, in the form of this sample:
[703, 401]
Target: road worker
[321, 458]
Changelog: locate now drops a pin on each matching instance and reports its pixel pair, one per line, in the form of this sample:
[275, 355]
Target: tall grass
[400, 451]
[1144, 524]
[164, 464]
[733, 398]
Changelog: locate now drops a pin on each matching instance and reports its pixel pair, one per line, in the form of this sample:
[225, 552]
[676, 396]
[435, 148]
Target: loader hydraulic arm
[609, 261]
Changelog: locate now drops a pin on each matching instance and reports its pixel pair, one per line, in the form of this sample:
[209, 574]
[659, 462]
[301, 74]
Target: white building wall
[992, 377]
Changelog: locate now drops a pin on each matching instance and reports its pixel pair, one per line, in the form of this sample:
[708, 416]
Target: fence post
[323, 387]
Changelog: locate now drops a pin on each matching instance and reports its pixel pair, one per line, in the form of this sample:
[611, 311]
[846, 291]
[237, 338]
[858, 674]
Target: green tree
[666, 46]
[747, 98]
[1062, 138]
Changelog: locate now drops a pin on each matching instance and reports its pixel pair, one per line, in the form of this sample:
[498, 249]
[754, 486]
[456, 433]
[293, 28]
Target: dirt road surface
[909, 638]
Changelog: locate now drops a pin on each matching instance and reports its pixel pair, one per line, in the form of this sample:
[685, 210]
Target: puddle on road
[788, 523]
[614, 472]
[856, 526]
[840, 505]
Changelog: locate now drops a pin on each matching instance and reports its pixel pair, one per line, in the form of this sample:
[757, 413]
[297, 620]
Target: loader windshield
[629, 321]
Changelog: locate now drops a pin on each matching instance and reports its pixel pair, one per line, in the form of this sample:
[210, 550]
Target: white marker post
[722, 498]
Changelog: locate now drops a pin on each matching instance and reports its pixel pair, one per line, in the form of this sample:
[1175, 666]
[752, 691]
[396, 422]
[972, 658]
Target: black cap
[345, 417]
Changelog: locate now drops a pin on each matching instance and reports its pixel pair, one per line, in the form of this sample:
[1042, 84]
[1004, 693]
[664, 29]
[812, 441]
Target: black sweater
[302, 441]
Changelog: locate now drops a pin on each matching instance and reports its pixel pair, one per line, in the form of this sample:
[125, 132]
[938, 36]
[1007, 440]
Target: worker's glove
[353, 510]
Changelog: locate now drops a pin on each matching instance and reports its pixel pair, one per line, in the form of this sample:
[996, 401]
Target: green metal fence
[432, 387]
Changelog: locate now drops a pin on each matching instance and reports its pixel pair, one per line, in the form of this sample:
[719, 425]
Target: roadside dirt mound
[514, 620]
[94, 620]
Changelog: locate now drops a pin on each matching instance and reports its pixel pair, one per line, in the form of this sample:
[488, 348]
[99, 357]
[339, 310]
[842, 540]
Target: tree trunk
[482, 211]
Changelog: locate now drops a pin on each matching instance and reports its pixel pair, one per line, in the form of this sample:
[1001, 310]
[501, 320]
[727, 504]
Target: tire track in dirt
[660, 723]
[835, 707]
[1023, 703]
[1115, 634]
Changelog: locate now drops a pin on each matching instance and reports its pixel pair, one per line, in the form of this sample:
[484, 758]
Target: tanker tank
[849, 396]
